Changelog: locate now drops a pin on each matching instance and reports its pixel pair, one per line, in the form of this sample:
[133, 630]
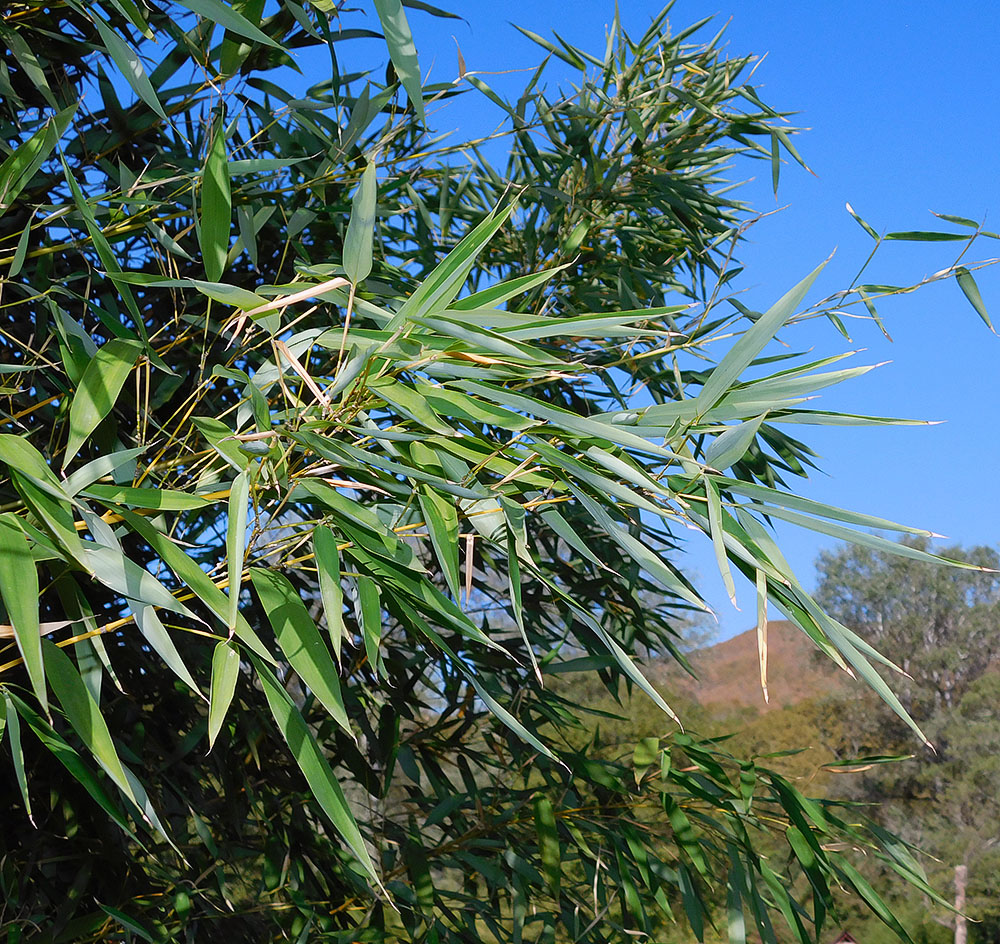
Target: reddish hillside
[729, 672]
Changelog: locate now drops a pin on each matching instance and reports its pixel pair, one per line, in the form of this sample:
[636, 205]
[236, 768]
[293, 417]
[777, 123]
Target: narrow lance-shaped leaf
[84, 714]
[19, 588]
[313, 765]
[971, 291]
[129, 64]
[300, 641]
[18, 169]
[98, 390]
[729, 447]
[370, 616]
[402, 51]
[236, 538]
[360, 228]
[718, 538]
[742, 353]
[225, 672]
[330, 589]
[17, 754]
[441, 518]
[216, 204]
[157, 636]
[216, 11]
[548, 843]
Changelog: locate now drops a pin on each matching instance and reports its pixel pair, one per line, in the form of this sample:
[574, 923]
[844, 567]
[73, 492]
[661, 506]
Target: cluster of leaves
[336, 513]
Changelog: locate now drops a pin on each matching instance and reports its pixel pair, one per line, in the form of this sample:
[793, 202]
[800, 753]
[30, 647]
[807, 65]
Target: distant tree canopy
[945, 625]
[327, 445]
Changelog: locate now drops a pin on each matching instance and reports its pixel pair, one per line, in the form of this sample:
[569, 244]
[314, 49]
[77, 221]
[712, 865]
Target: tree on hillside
[945, 624]
[292, 388]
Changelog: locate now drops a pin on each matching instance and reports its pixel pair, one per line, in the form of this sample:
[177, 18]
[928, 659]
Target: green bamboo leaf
[116, 571]
[968, 286]
[17, 754]
[442, 286]
[871, 232]
[330, 589]
[225, 673]
[216, 204]
[84, 715]
[98, 390]
[97, 468]
[18, 169]
[924, 236]
[402, 51]
[129, 65]
[218, 12]
[862, 537]
[314, 766]
[762, 493]
[502, 291]
[644, 755]
[236, 539]
[370, 616]
[728, 448]
[19, 588]
[71, 760]
[107, 257]
[548, 843]
[300, 641]
[734, 910]
[158, 499]
[749, 345]
[233, 52]
[21, 252]
[159, 639]
[718, 538]
[775, 161]
[441, 517]
[360, 228]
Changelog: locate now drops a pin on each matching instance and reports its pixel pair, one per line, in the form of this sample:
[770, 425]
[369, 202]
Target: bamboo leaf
[130, 65]
[18, 169]
[750, 344]
[718, 538]
[157, 636]
[84, 715]
[17, 754]
[729, 447]
[402, 51]
[71, 760]
[314, 766]
[971, 291]
[225, 673]
[300, 641]
[195, 578]
[98, 390]
[370, 617]
[216, 204]
[441, 518]
[218, 12]
[331, 591]
[19, 588]
[548, 843]
[360, 228]
[236, 539]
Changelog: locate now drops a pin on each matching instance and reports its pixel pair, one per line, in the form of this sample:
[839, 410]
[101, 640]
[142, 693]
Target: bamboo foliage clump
[332, 453]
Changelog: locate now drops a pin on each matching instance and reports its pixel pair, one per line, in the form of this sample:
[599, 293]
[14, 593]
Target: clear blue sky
[903, 103]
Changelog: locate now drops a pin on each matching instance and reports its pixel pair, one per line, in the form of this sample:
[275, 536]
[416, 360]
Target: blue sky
[901, 100]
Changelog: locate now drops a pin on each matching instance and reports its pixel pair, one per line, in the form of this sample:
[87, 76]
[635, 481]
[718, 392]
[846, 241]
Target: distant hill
[729, 672]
